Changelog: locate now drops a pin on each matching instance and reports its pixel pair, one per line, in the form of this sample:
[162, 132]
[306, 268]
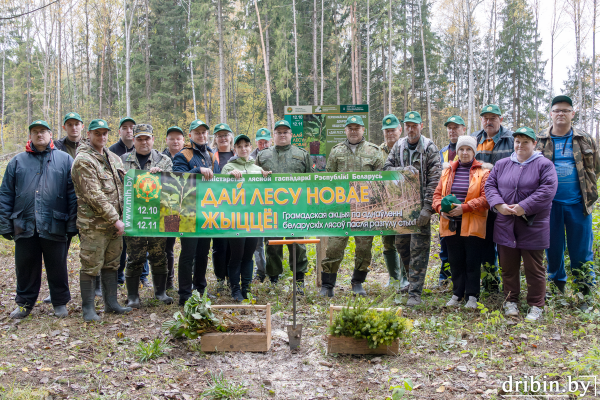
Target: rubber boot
[109, 293]
[61, 311]
[98, 291]
[327, 284]
[48, 300]
[20, 312]
[358, 278]
[560, 285]
[392, 262]
[133, 291]
[300, 283]
[404, 283]
[160, 288]
[87, 285]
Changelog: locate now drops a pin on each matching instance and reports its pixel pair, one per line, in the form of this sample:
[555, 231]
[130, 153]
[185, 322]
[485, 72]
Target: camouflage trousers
[99, 249]
[389, 244]
[274, 255]
[335, 253]
[414, 253]
[141, 248]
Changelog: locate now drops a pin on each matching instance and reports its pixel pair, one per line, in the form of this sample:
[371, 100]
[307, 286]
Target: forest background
[241, 62]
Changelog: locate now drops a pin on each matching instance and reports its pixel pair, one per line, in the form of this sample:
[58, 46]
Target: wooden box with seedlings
[358, 328]
[237, 327]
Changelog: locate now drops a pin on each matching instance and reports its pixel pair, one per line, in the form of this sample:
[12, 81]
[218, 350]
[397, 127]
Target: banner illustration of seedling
[176, 190]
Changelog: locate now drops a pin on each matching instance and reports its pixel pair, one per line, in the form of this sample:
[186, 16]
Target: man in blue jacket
[38, 210]
[196, 158]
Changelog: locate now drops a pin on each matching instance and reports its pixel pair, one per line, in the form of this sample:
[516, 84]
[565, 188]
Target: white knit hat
[467, 141]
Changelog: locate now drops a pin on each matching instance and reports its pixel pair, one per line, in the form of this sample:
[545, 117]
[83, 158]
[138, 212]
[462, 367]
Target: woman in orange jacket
[463, 227]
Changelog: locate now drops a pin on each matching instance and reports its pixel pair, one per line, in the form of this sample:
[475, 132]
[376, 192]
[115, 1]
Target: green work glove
[424, 217]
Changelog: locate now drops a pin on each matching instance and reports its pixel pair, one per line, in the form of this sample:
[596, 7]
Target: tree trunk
[87, 56]
[296, 56]
[58, 75]
[222, 95]
[270, 116]
[390, 58]
[101, 87]
[577, 24]
[352, 54]
[315, 79]
[322, 25]
[28, 71]
[471, 62]
[425, 70]
[206, 116]
[383, 81]
[74, 70]
[592, 123]
[404, 85]
[487, 69]
[191, 60]
[267, 77]
[3, 93]
[368, 53]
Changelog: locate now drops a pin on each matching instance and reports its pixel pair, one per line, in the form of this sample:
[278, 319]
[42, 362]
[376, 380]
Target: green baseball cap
[175, 129]
[98, 124]
[354, 119]
[413, 116]
[283, 122]
[491, 109]
[72, 115]
[222, 127]
[447, 203]
[263, 134]
[562, 99]
[198, 122]
[125, 119]
[240, 137]
[525, 131]
[40, 122]
[390, 121]
[142, 130]
[457, 119]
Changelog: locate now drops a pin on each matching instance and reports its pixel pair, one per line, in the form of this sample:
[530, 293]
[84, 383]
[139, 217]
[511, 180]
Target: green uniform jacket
[156, 159]
[426, 154]
[238, 164]
[587, 162]
[98, 186]
[385, 150]
[366, 157]
[285, 159]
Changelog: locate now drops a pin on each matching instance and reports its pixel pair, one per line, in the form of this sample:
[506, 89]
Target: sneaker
[454, 302]
[472, 303]
[510, 309]
[413, 300]
[534, 314]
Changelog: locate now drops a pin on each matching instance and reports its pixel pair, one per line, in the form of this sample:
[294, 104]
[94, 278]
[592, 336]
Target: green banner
[281, 205]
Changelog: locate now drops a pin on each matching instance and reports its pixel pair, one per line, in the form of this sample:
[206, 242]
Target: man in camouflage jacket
[417, 154]
[97, 176]
[353, 154]
[575, 156]
[285, 158]
[144, 157]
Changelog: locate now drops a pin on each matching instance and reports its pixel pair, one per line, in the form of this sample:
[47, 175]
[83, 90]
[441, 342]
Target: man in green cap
[352, 155]
[417, 155]
[73, 125]
[285, 158]
[392, 130]
[494, 142]
[37, 210]
[125, 143]
[455, 127]
[140, 249]
[97, 176]
[263, 141]
[575, 156]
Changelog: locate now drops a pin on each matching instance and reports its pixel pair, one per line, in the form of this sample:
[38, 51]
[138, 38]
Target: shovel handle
[293, 241]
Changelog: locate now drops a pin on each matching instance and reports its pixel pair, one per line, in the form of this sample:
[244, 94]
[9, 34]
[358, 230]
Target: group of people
[501, 195]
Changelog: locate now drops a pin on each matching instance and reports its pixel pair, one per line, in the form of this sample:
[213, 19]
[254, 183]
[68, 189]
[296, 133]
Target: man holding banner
[417, 154]
[285, 158]
[354, 154]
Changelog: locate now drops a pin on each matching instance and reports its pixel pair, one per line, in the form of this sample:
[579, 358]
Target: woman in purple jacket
[520, 189]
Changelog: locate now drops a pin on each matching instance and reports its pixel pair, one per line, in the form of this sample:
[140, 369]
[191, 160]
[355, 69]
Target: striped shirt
[460, 186]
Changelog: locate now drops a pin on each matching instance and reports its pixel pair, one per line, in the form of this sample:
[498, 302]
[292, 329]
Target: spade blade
[294, 335]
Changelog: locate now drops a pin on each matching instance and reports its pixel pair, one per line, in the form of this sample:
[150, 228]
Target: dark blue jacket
[37, 194]
[193, 157]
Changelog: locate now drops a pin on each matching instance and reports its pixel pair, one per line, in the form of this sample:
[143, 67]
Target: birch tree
[128, 21]
[424, 4]
[222, 95]
[296, 54]
[266, 65]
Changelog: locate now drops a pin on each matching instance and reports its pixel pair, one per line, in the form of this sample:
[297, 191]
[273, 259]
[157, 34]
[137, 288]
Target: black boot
[160, 288]
[98, 291]
[327, 284]
[560, 285]
[358, 278]
[87, 284]
[20, 312]
[109, 293]
[133, 291]
[300, 283]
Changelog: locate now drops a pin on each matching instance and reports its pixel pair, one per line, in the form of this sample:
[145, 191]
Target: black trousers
[29, 253]
[465, 255]
[193, 261]
[170, 250]
[241, 264]
[220, 255]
